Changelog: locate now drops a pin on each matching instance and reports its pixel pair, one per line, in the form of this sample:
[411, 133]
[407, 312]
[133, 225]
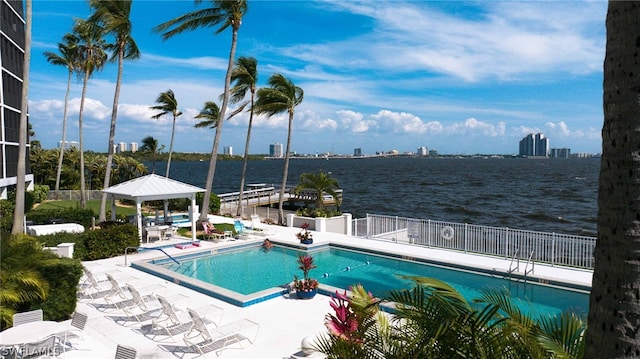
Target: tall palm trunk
[112, 134]
[83, 197]
[246, 157]
[18, 213]
[285, 172]
[173, 131]
[614, 314]
[64, 132]
[204, 211]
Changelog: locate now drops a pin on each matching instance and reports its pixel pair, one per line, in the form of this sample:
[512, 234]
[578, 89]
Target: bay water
[547, 195]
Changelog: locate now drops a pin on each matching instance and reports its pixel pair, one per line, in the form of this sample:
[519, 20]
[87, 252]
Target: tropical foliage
[67, 57]
[320, 183]
[113, 17]
[433, 320]
[91, 58]
[20, 283]
[306, 284]
[245, 78]
[150, 147]
[43, 165]
[614, 314]
[167, 104]
[225, 13]
[281, 96]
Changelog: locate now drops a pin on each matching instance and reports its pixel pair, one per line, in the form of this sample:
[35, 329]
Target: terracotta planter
[306, 295]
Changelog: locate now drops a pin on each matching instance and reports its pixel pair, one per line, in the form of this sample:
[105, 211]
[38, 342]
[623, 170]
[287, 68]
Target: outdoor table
[30, 332]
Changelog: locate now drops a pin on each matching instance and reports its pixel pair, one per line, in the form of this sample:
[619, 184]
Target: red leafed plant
[344, 323]
[306, 284]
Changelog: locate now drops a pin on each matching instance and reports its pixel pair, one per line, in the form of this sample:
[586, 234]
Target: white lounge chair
[90, 287]
[205, 339]
[171, 321]
[241, 230]
[258, 228]
[141, 308]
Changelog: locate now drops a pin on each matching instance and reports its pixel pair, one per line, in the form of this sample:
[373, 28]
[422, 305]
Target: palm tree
[21, 166]
[67, 57]
[281, 96]
[19, 281]
[321, 183]
[210, 114]
[92, 57]
[168, 104]
[245, 77]
[433, 320]
[114, 17]
[226, 13]
[150, 146]
[613, 308]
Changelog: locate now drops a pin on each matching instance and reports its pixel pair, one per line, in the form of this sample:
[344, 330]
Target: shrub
[68, 215]
[110, 242]
[317, 212]
[6, 215]
[63, 275]
[39, 193]
[52, 240]
[102, 243]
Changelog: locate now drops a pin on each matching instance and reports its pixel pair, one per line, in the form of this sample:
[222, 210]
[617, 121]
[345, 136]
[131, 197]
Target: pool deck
[283, 322]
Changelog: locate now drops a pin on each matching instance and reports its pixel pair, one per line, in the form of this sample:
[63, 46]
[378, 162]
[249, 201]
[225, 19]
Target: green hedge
[97, 244]
[110, 242]
[69, 215]
[63, 276]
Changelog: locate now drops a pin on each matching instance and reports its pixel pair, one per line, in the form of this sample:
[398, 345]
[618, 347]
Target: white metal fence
[544, 247]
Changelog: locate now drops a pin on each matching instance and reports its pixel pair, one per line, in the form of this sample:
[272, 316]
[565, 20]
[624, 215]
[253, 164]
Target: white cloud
[400, 122]
[472, 126]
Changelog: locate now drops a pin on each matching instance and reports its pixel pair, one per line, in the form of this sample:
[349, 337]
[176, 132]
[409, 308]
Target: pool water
[251, 270]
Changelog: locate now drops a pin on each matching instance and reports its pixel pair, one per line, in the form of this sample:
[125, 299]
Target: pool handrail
[126, 250]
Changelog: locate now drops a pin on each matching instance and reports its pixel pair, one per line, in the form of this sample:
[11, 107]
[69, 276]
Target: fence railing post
[466, 238]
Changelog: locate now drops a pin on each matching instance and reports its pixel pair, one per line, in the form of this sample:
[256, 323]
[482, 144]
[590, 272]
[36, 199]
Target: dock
[261, 195]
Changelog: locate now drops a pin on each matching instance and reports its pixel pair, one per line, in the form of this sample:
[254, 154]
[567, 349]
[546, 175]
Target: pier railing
[544, 247]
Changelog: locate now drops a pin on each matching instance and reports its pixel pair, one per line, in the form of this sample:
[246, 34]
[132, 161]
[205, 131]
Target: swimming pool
[252, 274]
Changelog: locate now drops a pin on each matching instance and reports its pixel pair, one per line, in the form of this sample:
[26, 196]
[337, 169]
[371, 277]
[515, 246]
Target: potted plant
[305, 287]
[304, 235]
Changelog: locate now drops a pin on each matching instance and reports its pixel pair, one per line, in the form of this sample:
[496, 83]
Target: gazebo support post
[113, 208]
[139, 218]
[193, 217]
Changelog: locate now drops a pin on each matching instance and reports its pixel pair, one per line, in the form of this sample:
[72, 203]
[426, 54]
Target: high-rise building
[275, 150]
[134, 146]
[422, 151]
[534, 146]
[357, 152]
[122, 147]
[228, 151]
[560, 152]
[12, 41]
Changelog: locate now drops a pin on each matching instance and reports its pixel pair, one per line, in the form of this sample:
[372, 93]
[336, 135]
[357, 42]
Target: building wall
[12, 40]
[276, 150]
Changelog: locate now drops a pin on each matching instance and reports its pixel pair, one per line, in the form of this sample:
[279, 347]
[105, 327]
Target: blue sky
[457, 77]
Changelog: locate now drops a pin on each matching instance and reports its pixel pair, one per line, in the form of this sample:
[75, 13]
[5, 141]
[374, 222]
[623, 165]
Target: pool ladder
[514, 266]
[126, 250]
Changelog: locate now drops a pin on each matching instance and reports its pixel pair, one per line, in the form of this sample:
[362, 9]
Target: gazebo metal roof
[152, 188]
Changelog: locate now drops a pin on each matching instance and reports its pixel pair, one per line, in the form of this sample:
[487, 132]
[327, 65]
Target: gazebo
[153, 188]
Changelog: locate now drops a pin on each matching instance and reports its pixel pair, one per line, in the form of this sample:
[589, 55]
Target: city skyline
[451, 76]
